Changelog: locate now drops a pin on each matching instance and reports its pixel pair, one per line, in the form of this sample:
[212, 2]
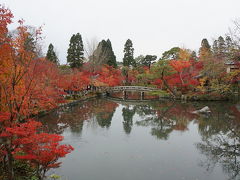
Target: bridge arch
[124, 89]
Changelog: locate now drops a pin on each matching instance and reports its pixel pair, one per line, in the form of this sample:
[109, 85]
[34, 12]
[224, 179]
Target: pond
[119, 140]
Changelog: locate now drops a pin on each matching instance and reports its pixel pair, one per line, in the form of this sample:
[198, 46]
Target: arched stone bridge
[124, 89]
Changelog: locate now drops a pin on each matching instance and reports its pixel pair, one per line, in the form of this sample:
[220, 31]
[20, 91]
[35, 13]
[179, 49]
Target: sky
[154, 26]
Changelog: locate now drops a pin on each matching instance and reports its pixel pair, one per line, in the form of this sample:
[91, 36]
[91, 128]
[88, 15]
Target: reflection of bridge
[134, 102]
[125, 89]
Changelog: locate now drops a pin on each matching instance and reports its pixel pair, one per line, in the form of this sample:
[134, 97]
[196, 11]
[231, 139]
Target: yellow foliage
[202, 82]
[184, 54]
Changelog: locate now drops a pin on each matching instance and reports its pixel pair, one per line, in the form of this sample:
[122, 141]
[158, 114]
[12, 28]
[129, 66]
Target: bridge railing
[131, 88]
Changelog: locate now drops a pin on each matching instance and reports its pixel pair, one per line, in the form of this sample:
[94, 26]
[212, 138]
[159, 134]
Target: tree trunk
[9, 163]
[168, 87]
[166, 84]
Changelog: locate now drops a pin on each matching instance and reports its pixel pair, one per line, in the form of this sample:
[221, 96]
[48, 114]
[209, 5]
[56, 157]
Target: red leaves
[5, 19]
[4, 116]
[75, 81]
[24, 129]
[28, 85]
[25, 157]
[39, 148]
[109, 76]
[179, 75]
[179, 65]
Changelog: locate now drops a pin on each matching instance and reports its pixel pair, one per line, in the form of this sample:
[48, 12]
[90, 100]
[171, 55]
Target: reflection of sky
[109, 153]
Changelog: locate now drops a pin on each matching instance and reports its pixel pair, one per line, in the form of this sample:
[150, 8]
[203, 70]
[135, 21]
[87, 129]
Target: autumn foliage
[108, 76]
[28, 85]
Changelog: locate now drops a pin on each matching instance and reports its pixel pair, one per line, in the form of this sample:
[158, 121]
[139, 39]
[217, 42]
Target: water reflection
[221, 140]
[217, 135]
[166, 117]
[73, 117]
[128, 114]
[220, 130]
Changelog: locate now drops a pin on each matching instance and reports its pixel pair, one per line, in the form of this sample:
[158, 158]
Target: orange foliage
[108, 76]
[28, 85]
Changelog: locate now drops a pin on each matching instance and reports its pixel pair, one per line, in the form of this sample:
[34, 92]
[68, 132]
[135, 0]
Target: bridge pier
[124, 95]
[141, 95]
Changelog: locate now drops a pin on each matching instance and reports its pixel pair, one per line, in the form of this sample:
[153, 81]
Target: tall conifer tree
[215, 47]
[51, 55]
[75, 51]
[128, 59]
[221, 46]
[111, 57]
[104, 54]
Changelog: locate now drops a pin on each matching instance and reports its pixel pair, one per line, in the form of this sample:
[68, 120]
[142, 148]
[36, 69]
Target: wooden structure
[125, 89]
[231, 66]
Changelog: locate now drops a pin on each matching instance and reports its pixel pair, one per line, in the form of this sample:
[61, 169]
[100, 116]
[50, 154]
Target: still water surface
[116, 140]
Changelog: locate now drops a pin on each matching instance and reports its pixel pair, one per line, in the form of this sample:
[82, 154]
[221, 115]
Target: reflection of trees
[221, 141]
[165, 117]
[128, 114]
[216, 122]
[145, 109]
[104, 118]
[161, 127]
[219, 149]
[77, 129]
[104, 113]
[75, 115]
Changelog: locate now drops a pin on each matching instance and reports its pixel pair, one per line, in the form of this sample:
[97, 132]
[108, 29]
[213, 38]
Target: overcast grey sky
[153, 25]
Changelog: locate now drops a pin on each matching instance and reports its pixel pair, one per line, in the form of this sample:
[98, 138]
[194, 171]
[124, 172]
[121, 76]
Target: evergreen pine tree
[128, 59]
[111, 58]
[215, 47]
[148, 60]
[229, 43]
[51, 55]
[205, 44]
[221, 46]
[173, 53]
[75, 51]
[230, 48]
[194, 55]
[104, 54]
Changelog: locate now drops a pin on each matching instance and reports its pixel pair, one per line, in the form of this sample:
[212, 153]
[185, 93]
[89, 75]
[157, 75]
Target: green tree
[51, 55]
[139, 60]
[194, 55]
[215, 47]
[104, 54]
[75, 51]
[111, 58]
[128, 59]
[221, 47]
[173, 53]
[162, 70]
[147, 61]
[230, 48]
[229, 43]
